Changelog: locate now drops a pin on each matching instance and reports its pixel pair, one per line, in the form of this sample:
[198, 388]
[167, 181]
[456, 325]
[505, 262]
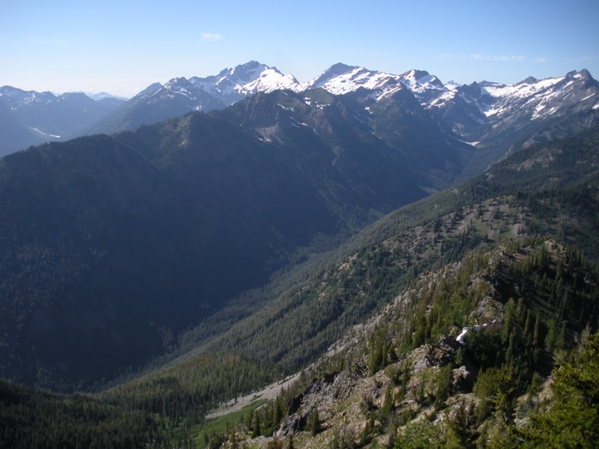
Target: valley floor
[270, 392]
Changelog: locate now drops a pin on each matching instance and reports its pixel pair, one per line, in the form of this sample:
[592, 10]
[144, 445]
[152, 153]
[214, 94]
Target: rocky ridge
[379, 385]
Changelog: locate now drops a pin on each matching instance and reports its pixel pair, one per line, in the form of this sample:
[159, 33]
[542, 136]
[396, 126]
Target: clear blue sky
[123, 46]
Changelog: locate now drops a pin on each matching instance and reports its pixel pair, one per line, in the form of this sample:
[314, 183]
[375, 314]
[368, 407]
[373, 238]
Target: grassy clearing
[202, 432]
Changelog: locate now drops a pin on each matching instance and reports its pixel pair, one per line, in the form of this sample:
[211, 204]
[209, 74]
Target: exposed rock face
[428, 356]
[356, 401]
[323, 393]
[349, 402]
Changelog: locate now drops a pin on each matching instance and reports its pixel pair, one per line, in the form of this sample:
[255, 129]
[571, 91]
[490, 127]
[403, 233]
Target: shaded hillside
[420, 274]
[304, 321]
[512, 200]
[568, 165]
[401, 371]
[394, 131]
[107, 253]
[144, 109]
[111, 246]
[403, 377]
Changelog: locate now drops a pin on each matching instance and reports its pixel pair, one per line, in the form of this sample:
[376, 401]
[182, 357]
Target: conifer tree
[572, 421]
[314, 422]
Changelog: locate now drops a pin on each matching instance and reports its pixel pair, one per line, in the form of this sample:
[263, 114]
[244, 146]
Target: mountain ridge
[393, 379]
[186, 203]
[490, 116]
[44, 116]
[340, 161]
[333, 163]
[483, 114]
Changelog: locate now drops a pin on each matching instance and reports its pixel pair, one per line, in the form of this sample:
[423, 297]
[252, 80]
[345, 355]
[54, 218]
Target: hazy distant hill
[31, 118]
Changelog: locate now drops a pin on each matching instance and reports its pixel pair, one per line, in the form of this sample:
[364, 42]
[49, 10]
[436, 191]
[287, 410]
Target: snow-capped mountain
[341, 79]
[226, 88]
[497, 118]
[501, 117]
[536, 99]
[484, 114]
[230, 85]
[181, 95]
[235, 84]
[483, 103]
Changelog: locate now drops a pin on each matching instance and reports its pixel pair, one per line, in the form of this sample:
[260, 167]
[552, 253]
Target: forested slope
[403, 380]
[516, 246]
[512, 200]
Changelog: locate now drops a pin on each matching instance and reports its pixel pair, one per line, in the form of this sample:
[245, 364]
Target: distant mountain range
[482, 114]
[237, 229]
[119, 243]
[31, 118]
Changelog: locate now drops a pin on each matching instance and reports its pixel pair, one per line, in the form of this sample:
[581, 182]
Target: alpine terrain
[31, 118]
[243, 260]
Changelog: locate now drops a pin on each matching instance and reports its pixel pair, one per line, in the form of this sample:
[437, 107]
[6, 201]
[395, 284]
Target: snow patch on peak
[268, 80]
[233, 84]
[452, 85]
[420, 81]
[356, 78]
[523, 89]
[335, 70]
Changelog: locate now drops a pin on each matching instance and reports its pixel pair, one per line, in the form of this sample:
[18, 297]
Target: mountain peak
[417, 74]
[421, 82]
[247, 70]
[582, 75]
[334, 71]
[251, 64]
[339, 69]
[577, 74]
[177, 82]
[529, 80]
[150, 90]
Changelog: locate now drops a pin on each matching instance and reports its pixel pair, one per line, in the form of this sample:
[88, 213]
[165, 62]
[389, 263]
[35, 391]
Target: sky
[123, 46]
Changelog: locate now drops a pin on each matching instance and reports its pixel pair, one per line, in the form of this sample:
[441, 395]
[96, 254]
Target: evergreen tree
[314, 422]
[572, 420]
[444, 380]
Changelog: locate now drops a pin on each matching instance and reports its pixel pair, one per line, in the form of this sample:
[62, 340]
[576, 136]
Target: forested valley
[372, 327]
